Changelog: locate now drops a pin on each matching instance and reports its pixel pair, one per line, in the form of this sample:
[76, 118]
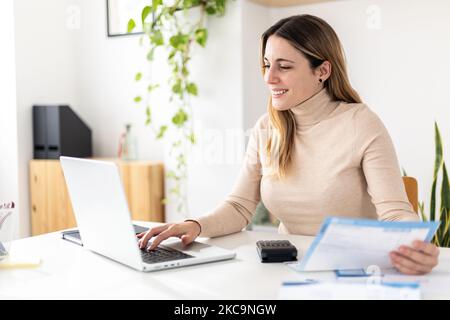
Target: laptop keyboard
[162, 255]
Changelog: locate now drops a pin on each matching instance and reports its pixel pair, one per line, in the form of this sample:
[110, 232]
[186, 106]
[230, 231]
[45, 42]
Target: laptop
[104, 221]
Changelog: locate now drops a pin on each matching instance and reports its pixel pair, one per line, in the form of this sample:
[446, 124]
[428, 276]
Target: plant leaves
[438, 152]
[151, 54]
[445, 207]
[131, 25]
[179, 41]
[437, 166]
[176, 88]
[152, 87]
[210, 10]
[201, 35]
[161, 132]
[145, 12]
[192, 88]
[433, 201]
[180, 118]
[192, 138]
[157, 38]
[184, 71]
[422, 211]
[148, 113]
[172, 175]
[138, 76]
[155, 4]
[445, 189]
[138, 99]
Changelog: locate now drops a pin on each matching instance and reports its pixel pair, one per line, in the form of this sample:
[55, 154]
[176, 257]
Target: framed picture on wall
[119, 12]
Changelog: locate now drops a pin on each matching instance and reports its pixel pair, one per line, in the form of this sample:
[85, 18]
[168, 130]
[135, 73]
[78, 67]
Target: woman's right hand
[187, 231]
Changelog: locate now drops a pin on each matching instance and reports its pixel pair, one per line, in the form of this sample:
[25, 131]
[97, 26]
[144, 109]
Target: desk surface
[69, 271]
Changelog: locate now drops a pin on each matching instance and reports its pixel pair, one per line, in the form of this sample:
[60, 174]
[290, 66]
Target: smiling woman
[309, 48]
[318, 151]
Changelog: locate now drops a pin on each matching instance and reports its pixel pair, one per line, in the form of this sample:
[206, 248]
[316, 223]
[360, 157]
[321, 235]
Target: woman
[318, 151]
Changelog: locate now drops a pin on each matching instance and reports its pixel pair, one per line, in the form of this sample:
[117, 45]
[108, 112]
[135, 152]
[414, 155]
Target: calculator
[276, 250]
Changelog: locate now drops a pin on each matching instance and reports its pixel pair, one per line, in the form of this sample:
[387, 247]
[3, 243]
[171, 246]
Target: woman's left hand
[421, 258]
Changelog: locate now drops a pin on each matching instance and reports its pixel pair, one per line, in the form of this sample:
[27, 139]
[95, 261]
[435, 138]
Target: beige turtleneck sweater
[343, 164]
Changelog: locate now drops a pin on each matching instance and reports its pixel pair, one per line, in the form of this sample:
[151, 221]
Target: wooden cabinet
[51, 209]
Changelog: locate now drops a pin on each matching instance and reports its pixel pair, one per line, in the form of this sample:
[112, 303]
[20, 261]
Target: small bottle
[128, 144]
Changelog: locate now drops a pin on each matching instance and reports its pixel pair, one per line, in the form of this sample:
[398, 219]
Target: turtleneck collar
[314, 109]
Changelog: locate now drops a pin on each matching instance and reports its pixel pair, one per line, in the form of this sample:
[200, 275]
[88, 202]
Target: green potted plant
[442, 212]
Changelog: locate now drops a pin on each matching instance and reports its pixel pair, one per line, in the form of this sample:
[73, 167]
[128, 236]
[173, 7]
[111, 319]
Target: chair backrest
[412, 191]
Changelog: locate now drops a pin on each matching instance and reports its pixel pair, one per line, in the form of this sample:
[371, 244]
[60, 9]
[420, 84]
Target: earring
[320, 80]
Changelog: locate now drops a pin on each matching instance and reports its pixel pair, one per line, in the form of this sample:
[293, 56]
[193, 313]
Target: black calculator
[276, 250]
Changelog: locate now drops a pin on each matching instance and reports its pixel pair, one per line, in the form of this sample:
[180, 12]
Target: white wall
[218, 113]
[9, 187]
[255, 20]
[105, 69]
[401, 70]
[45, 75]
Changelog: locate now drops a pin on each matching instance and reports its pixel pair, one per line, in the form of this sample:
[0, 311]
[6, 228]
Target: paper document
[344, 291]
[344, 243]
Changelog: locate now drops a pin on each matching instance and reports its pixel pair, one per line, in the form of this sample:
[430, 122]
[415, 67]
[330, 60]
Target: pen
[299, 283]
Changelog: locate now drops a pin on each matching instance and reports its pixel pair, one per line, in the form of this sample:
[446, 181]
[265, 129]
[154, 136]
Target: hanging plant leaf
[148, 113]
[161, 132]
[131, 25]
[180, 118]
[150, 54]
[192, 88]
[157, 38]
[145, 12]
[152, 87]
[176, 88]
[179, 41]
[210, 10]
[201, 35]
[156, 3]
[192, 138]
[138, 76]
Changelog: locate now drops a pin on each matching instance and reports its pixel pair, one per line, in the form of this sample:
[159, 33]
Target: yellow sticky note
[15, 261]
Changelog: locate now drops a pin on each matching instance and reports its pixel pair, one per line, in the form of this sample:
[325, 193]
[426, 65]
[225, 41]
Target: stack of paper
[344, 243]
[353, 291]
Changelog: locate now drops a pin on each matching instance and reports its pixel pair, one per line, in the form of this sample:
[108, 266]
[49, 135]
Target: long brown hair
[318, 42]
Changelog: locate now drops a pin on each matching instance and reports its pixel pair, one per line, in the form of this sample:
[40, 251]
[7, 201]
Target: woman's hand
[187, 231]
[421, 258]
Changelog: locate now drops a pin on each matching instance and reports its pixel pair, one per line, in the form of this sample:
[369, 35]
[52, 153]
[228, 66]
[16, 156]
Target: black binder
[58, 131]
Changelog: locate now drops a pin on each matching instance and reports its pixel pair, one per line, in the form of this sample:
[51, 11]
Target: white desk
[69, 271]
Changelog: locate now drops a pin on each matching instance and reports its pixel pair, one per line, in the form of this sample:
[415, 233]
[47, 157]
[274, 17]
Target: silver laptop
[103, 218]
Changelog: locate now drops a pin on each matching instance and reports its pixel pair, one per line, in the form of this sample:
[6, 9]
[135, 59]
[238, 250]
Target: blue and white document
[344, 243]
